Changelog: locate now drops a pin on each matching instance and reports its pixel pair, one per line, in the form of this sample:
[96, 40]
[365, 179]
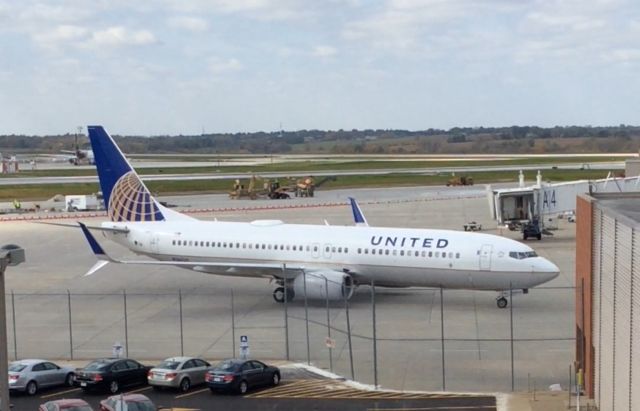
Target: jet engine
[320, 284]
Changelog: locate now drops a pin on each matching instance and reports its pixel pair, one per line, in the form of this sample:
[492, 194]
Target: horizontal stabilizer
[91, 227]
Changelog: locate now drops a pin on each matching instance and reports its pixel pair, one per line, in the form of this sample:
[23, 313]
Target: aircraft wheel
[278, 294]
[502, 302]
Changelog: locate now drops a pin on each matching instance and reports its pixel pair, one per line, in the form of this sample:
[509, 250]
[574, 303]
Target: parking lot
[298, 390]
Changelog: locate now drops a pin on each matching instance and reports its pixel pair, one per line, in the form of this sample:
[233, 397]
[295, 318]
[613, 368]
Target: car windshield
[141, 406]
[226, 366]
[96, 365]
[17, 367]
[170, 365]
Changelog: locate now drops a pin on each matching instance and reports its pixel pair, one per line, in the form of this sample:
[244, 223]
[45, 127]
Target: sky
[188, 66]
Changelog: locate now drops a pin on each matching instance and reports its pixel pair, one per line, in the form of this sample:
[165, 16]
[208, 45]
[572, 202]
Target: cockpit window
[521, 255]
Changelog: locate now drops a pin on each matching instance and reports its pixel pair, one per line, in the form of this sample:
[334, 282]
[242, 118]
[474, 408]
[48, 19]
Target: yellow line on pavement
[56, 394]
[148, 387]
[449, 407]
[191, 393]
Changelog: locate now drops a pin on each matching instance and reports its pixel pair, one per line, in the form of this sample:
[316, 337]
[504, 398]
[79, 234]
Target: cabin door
[485, 257]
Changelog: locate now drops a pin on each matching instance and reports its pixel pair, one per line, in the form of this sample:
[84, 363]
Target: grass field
[302, 167]
[168, 187]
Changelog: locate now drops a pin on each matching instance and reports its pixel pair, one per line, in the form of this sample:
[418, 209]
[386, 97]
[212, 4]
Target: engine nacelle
[320, 284]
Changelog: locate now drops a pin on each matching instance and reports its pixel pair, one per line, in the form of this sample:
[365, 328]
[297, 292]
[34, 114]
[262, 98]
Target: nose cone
[546, 269]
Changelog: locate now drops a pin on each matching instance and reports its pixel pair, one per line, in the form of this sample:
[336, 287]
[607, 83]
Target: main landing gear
[279, 294]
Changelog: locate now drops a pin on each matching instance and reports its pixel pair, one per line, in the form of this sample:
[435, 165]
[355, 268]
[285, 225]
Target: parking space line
[55, 394]
[148, 387]
[191, 393]
[448, 407]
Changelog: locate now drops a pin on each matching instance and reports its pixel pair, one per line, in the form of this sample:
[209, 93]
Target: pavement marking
[148, 387]
[332, 389]
[55, 394]
[458, 407]
[191, 393]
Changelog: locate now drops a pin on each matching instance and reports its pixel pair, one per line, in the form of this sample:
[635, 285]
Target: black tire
[502, 302]
[278, 294]
[275, 379]
[243, 387]
[68, 381]
[31, 388]
[525, 237]
[185, 384]
[114, 387]
[539, 237]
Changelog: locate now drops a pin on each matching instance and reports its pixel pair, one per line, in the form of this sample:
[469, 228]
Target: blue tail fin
[125, 195]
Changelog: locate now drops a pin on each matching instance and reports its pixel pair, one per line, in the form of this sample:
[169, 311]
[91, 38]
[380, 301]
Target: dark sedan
[111, 374]
[241, 375]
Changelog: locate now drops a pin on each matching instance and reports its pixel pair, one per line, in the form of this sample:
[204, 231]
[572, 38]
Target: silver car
[31, 375]
[178, 372]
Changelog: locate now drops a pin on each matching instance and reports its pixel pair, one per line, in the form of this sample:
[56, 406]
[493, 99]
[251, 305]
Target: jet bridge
[522, 204]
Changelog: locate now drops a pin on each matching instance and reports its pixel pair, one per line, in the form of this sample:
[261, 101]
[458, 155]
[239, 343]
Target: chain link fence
[427, 339]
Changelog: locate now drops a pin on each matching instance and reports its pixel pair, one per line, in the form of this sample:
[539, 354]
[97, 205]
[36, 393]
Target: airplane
[321, 261]
[79, 156]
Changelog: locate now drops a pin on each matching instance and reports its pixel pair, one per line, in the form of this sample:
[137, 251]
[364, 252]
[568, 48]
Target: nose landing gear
[502, 302]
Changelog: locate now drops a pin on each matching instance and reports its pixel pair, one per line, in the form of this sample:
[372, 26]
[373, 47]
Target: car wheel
[32, 388]
[275, 380]
[113, 387]
[243, 387]
[185, 384]
[68, 381]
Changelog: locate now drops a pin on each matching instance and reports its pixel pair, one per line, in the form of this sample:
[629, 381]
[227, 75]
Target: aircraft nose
[548, 269]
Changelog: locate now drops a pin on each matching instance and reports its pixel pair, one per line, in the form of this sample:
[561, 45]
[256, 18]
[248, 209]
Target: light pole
[9, 255]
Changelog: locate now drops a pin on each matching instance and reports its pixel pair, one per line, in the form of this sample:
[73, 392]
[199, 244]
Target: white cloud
[217, 66]
[189, 23]
[324, 51]
[258, 9]
[59, 36]
[119, 36]
[628, 55]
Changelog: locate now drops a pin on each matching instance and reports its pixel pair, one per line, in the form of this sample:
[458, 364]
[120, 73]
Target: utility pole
[10, 255]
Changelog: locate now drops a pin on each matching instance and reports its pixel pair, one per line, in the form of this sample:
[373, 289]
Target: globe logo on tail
[131, 201]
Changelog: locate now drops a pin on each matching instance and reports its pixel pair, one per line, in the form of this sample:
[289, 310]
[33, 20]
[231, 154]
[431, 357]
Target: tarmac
[477, 350]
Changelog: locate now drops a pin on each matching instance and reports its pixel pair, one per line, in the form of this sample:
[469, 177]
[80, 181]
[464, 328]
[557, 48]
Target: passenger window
[132, 365]
[444, 255]
[237, 245]
[424, 253]
[339, 249]
[333, 249]
[366, 251]
[401, 252]
[346, 250]
[294, 248]
[359, 250]
[173, 242]
[457, 255]
[386, 252]
[188, 364]
[207, 244]
[395, 252]
[417, 253]
[327, 249]
[50, 366]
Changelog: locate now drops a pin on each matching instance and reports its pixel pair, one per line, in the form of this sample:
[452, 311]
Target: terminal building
[608, 298]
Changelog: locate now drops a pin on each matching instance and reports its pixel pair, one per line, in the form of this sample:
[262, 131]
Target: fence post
[513, 378]
[181, 325]
[70, 325]
[126, 324]
[15, 332]
[346, 307]
[233, 325]
[375, 341]
[444, 379]
[326, 285]
[306, 316]
[286, 312]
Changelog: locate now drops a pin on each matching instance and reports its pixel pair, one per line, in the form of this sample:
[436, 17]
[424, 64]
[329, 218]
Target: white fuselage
[393, 257]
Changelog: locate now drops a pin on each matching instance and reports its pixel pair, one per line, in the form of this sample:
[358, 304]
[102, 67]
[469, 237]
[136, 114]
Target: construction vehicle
[306, 187]
[460, 181]
[239, 190]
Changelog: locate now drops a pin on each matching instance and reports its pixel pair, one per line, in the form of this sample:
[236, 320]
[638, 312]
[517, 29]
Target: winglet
[97, 250]
[358, 216]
